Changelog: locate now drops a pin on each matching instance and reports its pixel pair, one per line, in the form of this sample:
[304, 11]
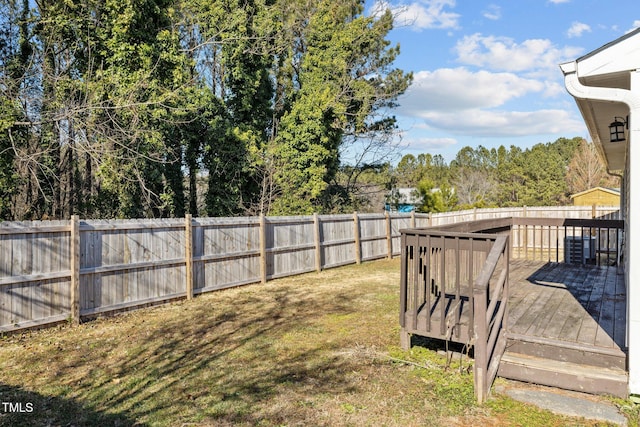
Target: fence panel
[290, 246]
[398, 222]
[124, 263]
[338, 238]
[226, 252]
[34, 273]
[373, 236]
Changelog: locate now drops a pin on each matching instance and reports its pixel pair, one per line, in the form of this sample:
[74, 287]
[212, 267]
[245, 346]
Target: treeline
[543, 175]
[152, 108]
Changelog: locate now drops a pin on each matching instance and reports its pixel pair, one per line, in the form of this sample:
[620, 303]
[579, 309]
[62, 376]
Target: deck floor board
[580, 304]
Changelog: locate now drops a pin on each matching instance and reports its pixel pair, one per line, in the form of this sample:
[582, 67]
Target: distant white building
[403, 200]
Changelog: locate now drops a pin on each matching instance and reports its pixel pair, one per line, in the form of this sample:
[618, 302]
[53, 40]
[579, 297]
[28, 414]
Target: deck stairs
[565, 365]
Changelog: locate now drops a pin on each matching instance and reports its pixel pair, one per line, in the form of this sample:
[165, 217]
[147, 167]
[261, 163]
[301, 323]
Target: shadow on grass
[248, 358]
[19, 407]
[438, 345]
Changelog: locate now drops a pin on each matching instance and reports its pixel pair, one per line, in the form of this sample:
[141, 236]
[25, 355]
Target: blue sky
[486, 72]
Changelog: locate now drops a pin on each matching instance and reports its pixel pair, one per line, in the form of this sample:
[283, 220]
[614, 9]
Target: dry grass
[316, 349]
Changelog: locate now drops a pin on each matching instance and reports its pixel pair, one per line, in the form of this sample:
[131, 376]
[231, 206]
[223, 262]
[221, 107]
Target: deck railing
[455, 278]
[439, 266]
[575, 241]
[435, 292]
[490, 296]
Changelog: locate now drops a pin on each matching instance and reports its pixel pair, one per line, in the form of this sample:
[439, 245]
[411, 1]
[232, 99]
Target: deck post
[412, 221]
[405, 339]
[480, 328]
[404, 259]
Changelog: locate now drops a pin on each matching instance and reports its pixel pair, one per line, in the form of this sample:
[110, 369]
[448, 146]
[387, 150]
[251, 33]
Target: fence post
[75, 269]
[263, 249]
[387, 218]
[356, 234]
[412, 221]
[188, 254]
[524, 211]
[316, 231]
[593, 211]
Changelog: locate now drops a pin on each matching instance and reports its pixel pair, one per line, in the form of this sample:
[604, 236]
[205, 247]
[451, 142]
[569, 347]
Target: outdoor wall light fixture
[617, 129]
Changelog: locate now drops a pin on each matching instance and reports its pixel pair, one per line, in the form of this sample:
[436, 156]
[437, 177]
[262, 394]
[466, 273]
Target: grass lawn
[316, 349]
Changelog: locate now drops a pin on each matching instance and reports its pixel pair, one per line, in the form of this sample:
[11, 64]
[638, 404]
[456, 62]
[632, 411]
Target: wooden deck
[583, 305]
[567, 327]
[556, 323]
[573, 304]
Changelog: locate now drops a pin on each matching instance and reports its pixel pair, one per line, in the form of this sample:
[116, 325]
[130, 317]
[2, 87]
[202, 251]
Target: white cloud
[493, 12]
[505, 123]
[503, 53]
[454, 89]
[577, 29]
[634, 26]
[421, 14]
[463, 102]
[559, 1]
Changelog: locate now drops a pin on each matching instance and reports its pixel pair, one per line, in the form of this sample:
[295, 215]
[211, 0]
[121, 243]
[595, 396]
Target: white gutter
[580, 91]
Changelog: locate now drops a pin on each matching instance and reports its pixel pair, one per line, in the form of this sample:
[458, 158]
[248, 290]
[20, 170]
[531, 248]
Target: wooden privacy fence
[53, 271]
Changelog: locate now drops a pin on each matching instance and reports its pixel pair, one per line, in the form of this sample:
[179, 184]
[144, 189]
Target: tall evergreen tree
[343, 77]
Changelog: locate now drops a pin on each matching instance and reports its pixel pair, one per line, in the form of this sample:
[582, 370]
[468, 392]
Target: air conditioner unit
[579, 249]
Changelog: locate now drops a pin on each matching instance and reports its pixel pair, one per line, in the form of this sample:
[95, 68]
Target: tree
[511, 176]
[15, 55]
[408, 171]
[586, 169]
[431, 198]
[474, 187]
[342, 81]
[113, 109]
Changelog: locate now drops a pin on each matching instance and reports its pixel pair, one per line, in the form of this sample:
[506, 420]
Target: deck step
[562, 351]
[566, 375]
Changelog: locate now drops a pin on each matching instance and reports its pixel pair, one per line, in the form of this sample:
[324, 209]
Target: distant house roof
[612, 191]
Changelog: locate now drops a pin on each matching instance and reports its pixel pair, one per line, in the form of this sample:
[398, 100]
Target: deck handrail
[489, 314]
[583, 241]
[440, 267]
